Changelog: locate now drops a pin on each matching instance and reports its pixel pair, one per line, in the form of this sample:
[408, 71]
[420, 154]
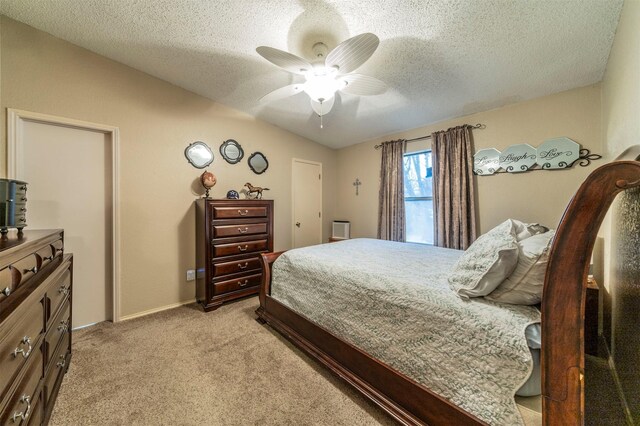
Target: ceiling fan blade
[352, 53]
[363, 85]
[285, 60]
[281, 93]
[324, 107]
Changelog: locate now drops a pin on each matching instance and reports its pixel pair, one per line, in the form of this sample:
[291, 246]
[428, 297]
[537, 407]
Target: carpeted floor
[185, 367]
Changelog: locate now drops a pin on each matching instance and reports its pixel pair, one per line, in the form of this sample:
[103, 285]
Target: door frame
[293, 199]
[15, 140]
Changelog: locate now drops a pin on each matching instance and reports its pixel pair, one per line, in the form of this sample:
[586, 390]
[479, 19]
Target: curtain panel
[454, 206]
[391, 215]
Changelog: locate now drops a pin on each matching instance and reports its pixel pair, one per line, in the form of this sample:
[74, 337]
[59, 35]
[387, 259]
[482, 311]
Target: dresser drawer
[57, 367]
[24, 269]
[57, 247]
[18, 339]
[238, 212]
[237, 283]
[37, 413]
[242, 265]
[46, 255]
[243, 247]
[58, 290]
[239, 230]
[25, 398]
[60, 327]
[6, 283]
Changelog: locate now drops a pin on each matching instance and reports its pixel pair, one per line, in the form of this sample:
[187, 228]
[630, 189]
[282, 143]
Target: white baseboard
[154, 310]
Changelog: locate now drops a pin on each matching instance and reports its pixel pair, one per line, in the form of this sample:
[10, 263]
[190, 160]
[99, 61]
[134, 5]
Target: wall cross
[357, 184]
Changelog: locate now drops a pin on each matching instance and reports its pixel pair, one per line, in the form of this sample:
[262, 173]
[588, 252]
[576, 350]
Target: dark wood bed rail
[563, 306]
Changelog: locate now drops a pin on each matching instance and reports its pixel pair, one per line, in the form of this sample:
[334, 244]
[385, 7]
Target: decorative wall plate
[486, 161]
[518, 158]
[231, 151]
[199, 154]
[558, 153]
[258, 163]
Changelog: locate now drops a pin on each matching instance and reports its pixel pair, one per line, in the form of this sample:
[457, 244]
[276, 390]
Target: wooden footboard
[405, 400]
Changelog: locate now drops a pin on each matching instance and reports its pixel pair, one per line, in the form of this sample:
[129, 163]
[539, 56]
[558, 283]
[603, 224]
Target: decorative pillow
[526, 230]
[524, 286]
[486, 263]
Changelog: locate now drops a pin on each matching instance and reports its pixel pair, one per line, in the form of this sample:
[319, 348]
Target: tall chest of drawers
[230, 235]
[35, 324]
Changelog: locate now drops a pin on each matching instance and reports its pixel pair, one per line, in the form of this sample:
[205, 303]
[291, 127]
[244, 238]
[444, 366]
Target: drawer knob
[34, 270]
[243, 213]
[243, 283]
[240, 265]
[24, 199]
[243, 231]
[26, 340]
[63, 362]
[48, 257]
[246, 247]
[23, 209]
[23, 187]
[58, 250]
[64, 326]
[6, 291]
[23, 415]
[63, 290]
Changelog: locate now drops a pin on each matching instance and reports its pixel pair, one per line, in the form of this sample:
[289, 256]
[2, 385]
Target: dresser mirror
[231, 151]
[199, 154]
[258, 163]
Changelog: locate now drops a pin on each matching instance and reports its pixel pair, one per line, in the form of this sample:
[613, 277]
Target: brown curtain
[454, 207]
[391, 219]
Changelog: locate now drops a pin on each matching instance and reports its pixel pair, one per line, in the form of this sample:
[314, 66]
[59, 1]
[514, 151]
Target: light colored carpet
[187, 367]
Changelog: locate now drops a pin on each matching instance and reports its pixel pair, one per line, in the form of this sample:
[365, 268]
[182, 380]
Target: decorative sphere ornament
[233, 195]
[208, 180]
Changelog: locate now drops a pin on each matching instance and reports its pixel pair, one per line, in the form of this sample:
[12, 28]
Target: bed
[382, 365]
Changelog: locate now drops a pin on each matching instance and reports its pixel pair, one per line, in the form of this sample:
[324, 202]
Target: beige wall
[539, 196]
[621, 84]
[157, 121]
[621, 100]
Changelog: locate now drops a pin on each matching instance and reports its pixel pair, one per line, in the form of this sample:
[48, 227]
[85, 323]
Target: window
[418, 197]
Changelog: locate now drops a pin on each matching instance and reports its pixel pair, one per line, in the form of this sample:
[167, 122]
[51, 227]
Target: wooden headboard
[563, 304]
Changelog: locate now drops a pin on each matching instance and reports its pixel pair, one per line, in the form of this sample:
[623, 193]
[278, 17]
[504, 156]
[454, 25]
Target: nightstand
[591, 309]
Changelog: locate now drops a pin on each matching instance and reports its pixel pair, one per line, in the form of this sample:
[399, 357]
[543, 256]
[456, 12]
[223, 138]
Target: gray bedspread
[392, 300]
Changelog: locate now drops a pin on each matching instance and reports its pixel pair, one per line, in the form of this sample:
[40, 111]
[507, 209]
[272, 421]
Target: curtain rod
[477, 126]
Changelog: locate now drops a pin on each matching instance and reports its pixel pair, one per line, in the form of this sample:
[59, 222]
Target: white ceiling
[440, 58]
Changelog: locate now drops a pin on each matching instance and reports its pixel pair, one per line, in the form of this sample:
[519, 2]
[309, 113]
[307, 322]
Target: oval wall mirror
[199, 154]
[231, 151]
[258, 163]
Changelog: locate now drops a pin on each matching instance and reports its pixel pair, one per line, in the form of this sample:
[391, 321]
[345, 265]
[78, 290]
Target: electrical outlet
[191, 275]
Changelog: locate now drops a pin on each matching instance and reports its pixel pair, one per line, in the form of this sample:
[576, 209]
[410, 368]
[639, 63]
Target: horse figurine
[254, 189]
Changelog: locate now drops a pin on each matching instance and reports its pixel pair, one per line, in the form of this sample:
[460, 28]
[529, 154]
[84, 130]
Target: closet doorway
[306, 180]
[71, 169]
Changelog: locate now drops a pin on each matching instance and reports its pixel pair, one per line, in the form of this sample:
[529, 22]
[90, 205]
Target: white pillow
[526, 230]
[486, 263]
[525, 285]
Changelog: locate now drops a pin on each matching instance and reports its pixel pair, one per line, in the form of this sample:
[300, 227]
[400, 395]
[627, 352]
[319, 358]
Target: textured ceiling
[441, 59]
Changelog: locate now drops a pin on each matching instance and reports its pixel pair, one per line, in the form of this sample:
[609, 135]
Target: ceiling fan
[328, 73]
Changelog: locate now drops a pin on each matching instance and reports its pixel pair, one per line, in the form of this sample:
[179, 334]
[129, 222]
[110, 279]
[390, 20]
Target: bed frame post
[563, 305]
[266, 260]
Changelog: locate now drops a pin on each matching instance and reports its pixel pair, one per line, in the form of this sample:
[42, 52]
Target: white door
[307, 203]
[69, 175]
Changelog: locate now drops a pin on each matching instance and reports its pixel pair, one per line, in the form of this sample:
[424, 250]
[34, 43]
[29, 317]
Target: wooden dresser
[230, 235]
[35, 324]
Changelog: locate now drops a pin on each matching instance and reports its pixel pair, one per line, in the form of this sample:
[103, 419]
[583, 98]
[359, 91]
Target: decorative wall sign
[518, 158]
[558, 153]
[486, 161]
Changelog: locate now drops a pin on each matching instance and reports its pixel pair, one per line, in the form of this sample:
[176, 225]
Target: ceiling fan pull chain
[321, 114]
